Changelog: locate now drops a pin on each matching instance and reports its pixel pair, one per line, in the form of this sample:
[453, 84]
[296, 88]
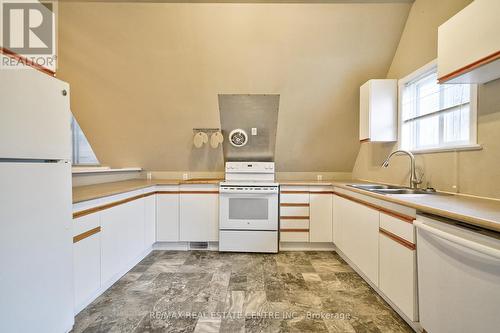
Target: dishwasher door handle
[483, 249]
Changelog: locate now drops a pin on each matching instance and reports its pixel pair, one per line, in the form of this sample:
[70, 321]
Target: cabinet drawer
[294, 236]
[294, 198]
[85, 223]
[294, 211]
[398, 227]
[294, 224]
[294, 188]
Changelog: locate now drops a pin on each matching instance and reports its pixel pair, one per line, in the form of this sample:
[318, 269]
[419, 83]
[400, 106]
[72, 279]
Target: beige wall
[143, 75]
[470, 172]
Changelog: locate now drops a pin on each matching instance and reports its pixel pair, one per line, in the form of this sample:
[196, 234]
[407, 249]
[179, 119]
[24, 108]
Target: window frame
[74, 145]
[471, 145]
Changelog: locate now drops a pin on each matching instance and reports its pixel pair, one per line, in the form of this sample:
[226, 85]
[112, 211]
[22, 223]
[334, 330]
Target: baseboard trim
[304, 246]
[112, 281]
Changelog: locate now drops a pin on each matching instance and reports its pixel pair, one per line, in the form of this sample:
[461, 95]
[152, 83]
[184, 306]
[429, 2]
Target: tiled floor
[201, 291]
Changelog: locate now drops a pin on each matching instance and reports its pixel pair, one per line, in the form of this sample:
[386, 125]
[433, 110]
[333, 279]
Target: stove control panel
[250, 167]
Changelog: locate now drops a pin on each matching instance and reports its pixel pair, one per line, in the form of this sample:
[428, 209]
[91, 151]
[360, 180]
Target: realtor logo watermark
[28, 30]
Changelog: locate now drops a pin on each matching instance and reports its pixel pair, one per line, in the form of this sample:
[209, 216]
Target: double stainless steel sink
[390, 189]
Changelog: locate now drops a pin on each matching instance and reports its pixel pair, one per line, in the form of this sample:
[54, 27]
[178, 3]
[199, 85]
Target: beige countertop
[477, 211]
[286, 182]
[90, 192]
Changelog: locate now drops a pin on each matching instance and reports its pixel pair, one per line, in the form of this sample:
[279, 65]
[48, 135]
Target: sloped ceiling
[143, 75]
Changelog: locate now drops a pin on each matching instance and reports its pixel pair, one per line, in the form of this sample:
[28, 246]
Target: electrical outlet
[319, 177]
[254, 130]
[185, 176]
[149, 175]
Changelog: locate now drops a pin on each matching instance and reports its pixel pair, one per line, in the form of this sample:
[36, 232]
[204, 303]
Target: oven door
[248, 211]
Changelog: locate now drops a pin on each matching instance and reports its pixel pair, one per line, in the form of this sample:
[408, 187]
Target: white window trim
[96, 165]
[473, 145]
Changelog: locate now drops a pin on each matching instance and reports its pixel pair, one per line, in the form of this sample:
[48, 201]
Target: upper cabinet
[469, 44]
[378, 111]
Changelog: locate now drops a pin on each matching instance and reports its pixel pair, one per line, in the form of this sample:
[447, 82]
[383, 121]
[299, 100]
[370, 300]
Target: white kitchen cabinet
[122, 238]
[167, 214]
[199, 213]
[398, 275]
[336, 221]
[378, 111]
[398, 263]
[320, 220]
[149, 220]
[86, 259]
[359, 234]
[294, 236]
[294, 214]
[469, 44]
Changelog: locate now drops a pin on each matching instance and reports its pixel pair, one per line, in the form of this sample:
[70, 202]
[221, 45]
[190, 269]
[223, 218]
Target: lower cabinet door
[113, 240]
[87, 268]
[167, 217]
[149, 221]
[122, 238]
[337, 221]
[398, 275]
[320, 223]
[359, 230]
[199, 217]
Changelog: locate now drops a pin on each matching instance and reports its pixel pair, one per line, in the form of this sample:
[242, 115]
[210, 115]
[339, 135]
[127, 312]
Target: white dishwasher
[458, 277]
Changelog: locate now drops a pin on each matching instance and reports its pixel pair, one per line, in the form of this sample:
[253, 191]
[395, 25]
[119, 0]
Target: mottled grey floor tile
[311, 277]
[339, 326]
[236, 300]
[254, 302]
[329, 266]
[232, 326]
[304, 325]
[238, 281]
[166, 325]
[264, 325]
[204, 291]
[208, 325]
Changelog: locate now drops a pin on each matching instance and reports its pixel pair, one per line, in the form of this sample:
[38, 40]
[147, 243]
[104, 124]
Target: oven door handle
[247, 192]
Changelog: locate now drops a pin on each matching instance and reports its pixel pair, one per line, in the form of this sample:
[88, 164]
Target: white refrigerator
[36, 277]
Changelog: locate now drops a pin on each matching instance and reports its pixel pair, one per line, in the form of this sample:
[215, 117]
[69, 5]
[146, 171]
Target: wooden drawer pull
[294, 217]
[294, 204]
[86, 234]
[294, 230]
[398, 239]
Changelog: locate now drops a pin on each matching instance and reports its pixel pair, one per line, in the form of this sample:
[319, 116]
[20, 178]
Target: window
[82, 151]
[433, 116]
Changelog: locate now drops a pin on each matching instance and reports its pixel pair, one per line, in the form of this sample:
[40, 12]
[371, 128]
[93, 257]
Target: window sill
[447, 149]
[99, 170]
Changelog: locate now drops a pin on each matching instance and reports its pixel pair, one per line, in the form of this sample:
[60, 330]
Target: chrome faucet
[414, 182]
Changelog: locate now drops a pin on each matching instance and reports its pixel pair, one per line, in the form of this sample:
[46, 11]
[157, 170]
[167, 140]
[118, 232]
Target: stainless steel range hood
[249, 112]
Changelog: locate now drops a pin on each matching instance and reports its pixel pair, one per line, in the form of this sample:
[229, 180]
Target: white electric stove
[248, 216]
